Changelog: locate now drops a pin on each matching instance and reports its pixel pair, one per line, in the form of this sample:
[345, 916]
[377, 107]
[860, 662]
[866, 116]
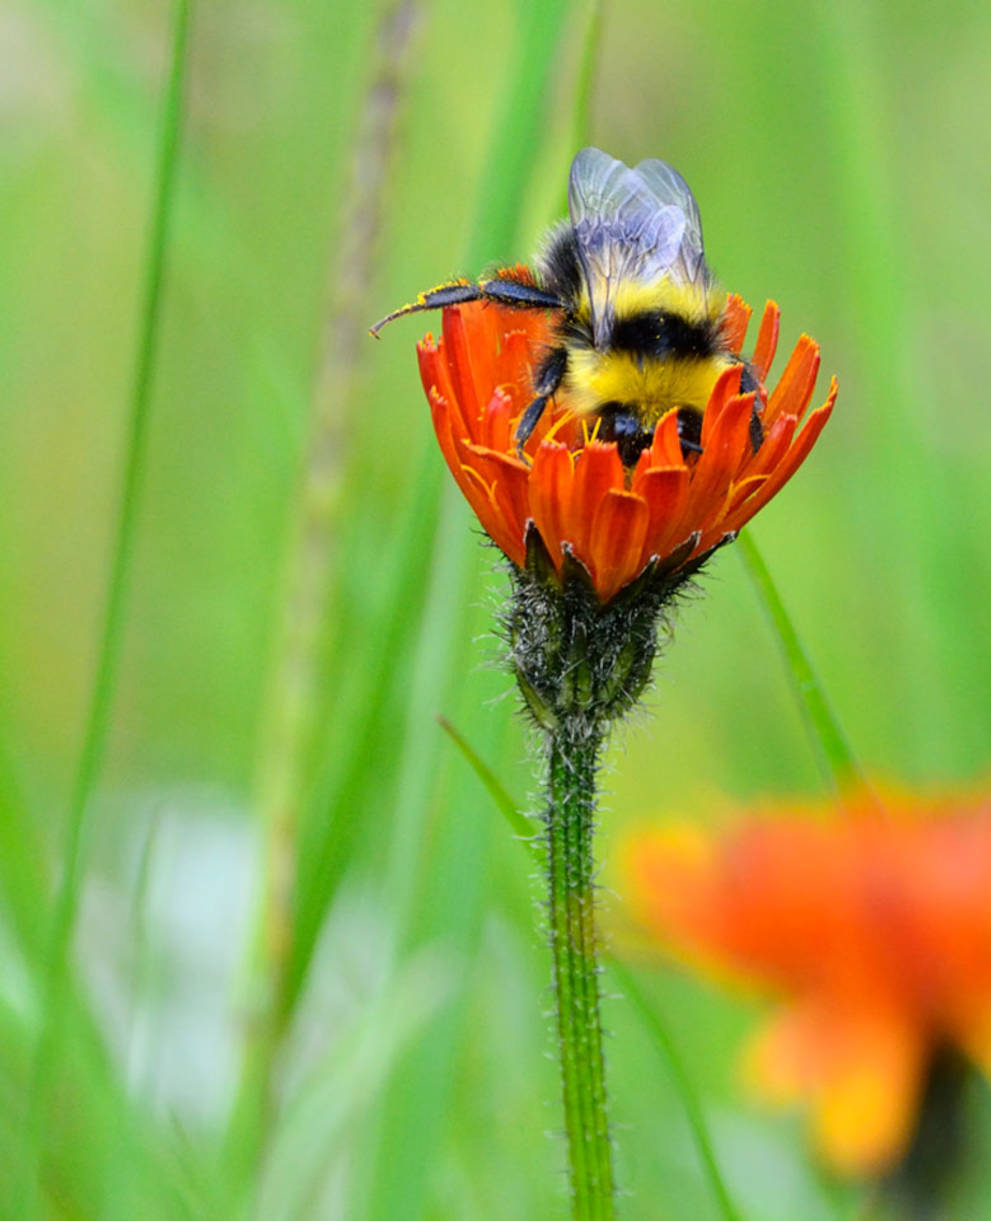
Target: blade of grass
[212, 242]
[341, 791]
[102, 1169]
[839, 768]
[521, 825]
[908, 491]
[513, 815]
[97, 724]
[342, 1085]
[687, 1096]
[293, 704]
[24, 880]
[105, 1132]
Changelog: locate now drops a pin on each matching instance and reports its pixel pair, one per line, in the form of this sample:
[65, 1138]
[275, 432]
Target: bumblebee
[638, 328]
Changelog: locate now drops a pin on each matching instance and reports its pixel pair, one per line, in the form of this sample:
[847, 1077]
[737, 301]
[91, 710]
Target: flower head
[671, 509]
[874, 934]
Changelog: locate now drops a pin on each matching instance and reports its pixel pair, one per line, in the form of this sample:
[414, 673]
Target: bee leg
[454, 293]
[631, 438]
[528, 422]
[689, 430]
[548, 376]
[500, 289]
[514, 292]
[749, 382]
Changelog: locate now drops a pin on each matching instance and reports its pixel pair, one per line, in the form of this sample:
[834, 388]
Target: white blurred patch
[161, 950]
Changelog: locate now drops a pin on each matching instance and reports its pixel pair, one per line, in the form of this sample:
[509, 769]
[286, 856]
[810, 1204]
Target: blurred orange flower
[876, 935]
[671, 506]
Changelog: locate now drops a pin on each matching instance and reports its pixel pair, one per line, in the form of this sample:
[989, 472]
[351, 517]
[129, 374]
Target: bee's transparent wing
[669, 189]
[638, 224]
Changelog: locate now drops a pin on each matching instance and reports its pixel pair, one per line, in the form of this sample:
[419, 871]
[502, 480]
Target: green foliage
[832, 151]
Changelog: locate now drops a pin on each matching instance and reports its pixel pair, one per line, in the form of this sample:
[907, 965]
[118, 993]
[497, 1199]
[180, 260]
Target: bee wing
[641, 224]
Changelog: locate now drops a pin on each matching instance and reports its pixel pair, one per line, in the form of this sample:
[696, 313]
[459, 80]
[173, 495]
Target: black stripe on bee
[662, 335]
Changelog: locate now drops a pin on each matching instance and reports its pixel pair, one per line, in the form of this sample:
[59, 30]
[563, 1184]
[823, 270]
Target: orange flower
[875, 933]
[574, 488]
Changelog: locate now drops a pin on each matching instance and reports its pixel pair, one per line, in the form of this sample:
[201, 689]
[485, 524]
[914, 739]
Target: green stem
[570, 815]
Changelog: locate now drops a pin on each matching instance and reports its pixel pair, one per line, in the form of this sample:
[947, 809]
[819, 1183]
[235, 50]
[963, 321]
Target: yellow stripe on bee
[691, 301]
[655, 386]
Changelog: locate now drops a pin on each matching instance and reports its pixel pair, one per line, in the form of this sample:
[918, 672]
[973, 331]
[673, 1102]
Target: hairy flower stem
[581, 665]
[573, 754]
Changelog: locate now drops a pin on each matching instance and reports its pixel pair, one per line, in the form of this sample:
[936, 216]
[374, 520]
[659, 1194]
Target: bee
[638, 317]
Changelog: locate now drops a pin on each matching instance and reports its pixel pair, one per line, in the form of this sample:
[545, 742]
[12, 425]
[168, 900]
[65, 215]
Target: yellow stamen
[568, 415]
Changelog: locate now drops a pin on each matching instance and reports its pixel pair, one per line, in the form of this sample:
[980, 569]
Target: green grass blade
[518, 821]
[339, 800]
[683, 1085]
[101, 699]
[293, 705]
[832, 750]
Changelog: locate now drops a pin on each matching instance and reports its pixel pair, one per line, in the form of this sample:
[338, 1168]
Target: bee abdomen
[621, 423]
[662, 335]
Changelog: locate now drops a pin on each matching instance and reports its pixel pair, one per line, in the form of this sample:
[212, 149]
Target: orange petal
[597, 471]
[726, 388]
[767, 340]
[453, 451]
[665, 449]
[666, 492]
[550, 486]
[789, 464]
[865, 1114]
[724, 450]
[740, 491]
[616, 543]
[516, 368]
[495, 429]
[794, 390]
[735, 321]
[428, 358]
[507, 478]
[776, 441]
[489, 515]
[458, 349]
[862, 1072]
[434, 374]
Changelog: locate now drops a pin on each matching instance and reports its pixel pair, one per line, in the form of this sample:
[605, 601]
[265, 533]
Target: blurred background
[307, 976]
